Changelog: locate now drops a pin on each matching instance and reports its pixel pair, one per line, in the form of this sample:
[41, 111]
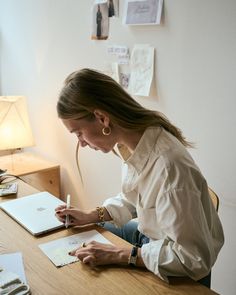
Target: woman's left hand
[95, 253]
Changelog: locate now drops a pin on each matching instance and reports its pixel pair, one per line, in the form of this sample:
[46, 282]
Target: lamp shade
[15, 130]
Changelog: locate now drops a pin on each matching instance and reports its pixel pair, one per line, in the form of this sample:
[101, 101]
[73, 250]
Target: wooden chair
[214, 198]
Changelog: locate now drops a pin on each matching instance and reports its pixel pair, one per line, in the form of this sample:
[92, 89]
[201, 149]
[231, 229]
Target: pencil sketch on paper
[142, 68]
[146, 12]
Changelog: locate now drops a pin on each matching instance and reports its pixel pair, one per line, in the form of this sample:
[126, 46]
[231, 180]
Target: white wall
[42, 41]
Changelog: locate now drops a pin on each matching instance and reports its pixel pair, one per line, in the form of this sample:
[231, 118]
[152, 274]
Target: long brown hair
[87, 90]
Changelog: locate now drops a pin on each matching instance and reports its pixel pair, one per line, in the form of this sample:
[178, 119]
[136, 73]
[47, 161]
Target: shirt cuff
[150, 254]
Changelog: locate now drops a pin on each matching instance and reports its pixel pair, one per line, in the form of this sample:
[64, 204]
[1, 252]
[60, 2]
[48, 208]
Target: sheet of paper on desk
[57, 250]
[13, 262]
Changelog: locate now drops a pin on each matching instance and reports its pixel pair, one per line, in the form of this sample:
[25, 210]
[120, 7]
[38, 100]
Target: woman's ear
[102, 117]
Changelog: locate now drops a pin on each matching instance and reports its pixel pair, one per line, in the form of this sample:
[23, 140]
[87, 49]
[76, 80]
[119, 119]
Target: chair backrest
[214, 198]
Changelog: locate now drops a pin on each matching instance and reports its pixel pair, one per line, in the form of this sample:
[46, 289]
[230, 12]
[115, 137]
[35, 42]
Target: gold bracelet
[100, 211]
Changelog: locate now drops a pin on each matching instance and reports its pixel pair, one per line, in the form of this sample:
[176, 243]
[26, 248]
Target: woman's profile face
[89, 133]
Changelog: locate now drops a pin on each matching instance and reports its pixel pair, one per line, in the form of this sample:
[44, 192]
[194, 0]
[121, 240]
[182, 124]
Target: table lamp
[15, 130]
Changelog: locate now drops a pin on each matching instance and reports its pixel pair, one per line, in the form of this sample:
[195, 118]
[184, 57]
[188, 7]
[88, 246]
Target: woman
[178, 232]
[99, 22]
[111, 9]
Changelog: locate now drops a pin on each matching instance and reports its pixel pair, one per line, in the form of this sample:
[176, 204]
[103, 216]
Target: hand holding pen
[73, 216]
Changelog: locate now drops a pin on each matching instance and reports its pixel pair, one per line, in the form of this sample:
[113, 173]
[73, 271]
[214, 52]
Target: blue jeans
[130, 233]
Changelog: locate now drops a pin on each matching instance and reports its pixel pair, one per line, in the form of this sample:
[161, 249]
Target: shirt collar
[142, 152]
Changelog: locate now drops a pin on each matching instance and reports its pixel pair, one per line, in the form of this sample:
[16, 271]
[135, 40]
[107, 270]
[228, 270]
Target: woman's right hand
[77, 217]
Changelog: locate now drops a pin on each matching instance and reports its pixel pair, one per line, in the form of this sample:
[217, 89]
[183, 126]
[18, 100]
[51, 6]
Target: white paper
[13, 262]
[123, 59]
[142, 12]
[100, 1]
[57, 250]
[112, 70]
[141, 66]
[118, 49]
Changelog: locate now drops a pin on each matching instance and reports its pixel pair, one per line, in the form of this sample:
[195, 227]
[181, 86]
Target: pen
[67, 207]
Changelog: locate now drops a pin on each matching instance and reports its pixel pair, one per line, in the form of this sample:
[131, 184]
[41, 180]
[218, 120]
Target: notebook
[13, 263]
[36, 212]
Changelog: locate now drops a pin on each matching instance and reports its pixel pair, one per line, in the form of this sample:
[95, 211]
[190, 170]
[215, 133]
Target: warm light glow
[15, 131]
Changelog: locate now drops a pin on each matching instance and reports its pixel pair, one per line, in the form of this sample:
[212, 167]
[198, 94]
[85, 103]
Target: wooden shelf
[35, 170]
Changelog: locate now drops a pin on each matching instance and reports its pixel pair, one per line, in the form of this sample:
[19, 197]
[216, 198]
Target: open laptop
[35, 212]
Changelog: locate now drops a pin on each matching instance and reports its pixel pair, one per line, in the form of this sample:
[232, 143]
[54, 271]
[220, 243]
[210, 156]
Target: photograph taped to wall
[113, 6]
[124, 80]
[139, 12]
[124, 72]
[100, 22]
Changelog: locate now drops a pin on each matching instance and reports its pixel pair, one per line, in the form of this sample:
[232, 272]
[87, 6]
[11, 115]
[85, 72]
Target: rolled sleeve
[159, 257]
[120, 210]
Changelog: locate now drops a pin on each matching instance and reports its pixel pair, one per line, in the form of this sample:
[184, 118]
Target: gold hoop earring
[106, 131]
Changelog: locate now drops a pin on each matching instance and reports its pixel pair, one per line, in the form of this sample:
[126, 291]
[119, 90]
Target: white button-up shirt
[164, 188]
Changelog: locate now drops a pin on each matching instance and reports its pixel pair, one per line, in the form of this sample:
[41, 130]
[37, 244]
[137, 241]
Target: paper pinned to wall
[112, 70]
[123, 59]
[121, 52]
[117, 49]
[142, 12]
[57, 250]
[141, 67]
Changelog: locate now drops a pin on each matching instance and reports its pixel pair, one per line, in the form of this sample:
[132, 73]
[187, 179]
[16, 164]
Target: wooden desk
[73, 279]
[35, 170]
